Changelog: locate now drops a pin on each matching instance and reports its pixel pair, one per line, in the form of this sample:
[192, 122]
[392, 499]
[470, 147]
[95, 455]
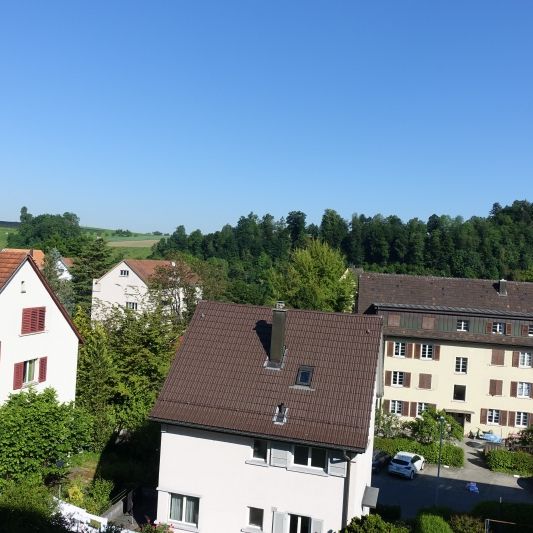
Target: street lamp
[441, 423]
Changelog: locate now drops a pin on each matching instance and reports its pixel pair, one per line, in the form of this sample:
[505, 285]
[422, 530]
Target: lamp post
[441, 423]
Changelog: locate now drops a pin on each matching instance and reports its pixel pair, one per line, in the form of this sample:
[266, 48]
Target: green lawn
[133, 252]
[3, 236]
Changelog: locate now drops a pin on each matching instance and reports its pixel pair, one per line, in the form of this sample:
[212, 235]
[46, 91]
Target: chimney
[503, 288]
[277, 341]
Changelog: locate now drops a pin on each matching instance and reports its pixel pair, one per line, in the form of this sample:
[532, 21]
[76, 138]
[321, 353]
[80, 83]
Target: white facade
[219, 470]
[56, 346]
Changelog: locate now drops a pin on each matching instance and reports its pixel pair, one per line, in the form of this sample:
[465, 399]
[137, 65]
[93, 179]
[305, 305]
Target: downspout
[346, 491]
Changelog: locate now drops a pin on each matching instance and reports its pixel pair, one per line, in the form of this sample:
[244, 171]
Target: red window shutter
[407, 379]
[483, 416]
[503, 418]
[409, 350]
[405, 408]
[26, 321]
[33, 319]
[508, 328]
[413, 409]
[495, 387]
[516, 359]
[514, 389]
[511, 415]
[388, 375]
[18, 376]
[43, 364]
[489, 327]
[41, 315]
[417, 351]
[524, 330]
[386, 406]
[436, 352]
[390, 348]
[424, 381]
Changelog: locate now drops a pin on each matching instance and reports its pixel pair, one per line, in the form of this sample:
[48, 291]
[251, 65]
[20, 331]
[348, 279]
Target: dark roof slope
[452, 293]
[218, 379]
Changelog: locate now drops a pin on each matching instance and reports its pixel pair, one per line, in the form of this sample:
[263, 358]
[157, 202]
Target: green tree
[333, 228]
[373, 523]
[62, 287]
[426, 428]
[315, 278]
[296, 227]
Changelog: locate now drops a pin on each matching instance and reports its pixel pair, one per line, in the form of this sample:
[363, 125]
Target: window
[399, 349]
[462, 325]
[280, 415]
[124, 273]
[305, 373]
[524, 360]
[255, 517]
[530, 330]
[459, 392]
[131, 305]
[493, 416]
[521, 419]
[523, 390]
[421, 407]
[426, 351]
[498, 328]
[33, 320]
[307, 456]
[396, 407]
[29, 371]
[461, 365]
[299, 524]
[398, 378]
[184, 509]
[260, 450]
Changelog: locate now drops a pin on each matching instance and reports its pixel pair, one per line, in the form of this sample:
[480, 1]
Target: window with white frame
[461, 365]
[523, 390]
[421, 407]
[396, 407]
[307, 456]
[399, 349]
[124, 273]
[530, 330]
[184, 509]
[459, 393]
[426, 351]
[498, 328]
[493, 416]
[463, 325]
[521, 419]
[29, 371]
[260, 450]
[131, 305]
[398, 378]
[299, 524]
[255, 517]
[524, 360]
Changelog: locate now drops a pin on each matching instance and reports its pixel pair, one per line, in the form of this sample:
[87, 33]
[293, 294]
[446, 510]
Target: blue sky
[147, 115]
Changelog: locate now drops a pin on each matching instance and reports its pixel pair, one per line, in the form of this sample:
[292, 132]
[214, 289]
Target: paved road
[450, 490]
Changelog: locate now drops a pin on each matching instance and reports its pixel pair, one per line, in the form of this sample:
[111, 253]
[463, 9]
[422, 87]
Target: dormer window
[305, 373]
[280, 416]
[124, 273]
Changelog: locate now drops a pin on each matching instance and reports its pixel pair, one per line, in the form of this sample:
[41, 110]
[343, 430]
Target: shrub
[500, 460]
[429, 523]
[464, 523]
[373, 524]
[97, 499]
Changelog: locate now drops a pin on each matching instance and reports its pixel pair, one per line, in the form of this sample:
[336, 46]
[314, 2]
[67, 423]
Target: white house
[267, 420]
[38, 341]
[63, 266]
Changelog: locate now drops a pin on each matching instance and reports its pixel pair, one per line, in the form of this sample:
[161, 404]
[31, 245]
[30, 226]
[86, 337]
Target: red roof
[146, 268]
[36, 255]
[218, 379]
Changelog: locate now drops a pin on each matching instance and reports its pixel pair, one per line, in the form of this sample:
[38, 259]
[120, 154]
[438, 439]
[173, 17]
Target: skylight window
[305, 373]
[280, 416]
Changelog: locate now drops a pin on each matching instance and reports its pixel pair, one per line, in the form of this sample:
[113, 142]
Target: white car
[406, 464]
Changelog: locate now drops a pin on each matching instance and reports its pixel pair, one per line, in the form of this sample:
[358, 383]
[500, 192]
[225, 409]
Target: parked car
[491, 437]
[379, 460]
[406, 464]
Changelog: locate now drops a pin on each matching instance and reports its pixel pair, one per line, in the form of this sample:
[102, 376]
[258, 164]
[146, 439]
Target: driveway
[450, 490]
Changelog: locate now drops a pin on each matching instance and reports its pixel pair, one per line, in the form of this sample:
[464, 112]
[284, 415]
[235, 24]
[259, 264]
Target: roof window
[280, 416]
[305, 374]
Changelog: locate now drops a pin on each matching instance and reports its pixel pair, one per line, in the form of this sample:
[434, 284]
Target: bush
[429, 523]
[373, 524]
[451, 455]
[500, 460]
[520, 513]
[463, 523]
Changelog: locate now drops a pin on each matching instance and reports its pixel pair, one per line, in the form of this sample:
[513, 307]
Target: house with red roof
[267, 419]
[38, 341]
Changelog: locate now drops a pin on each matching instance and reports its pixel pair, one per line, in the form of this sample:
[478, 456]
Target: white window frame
[132, 305]
[524, 360]
[255, 527]
[493, 416]
[421, 407]
[299, 524]
[521, 419]
[310, 457]
[398, 378]
[463, 325]
[400, 348]
[258, 458]
[185, 499]
[523, 389]
[498, 328]
[29, 375]
[124, 273]
[461, 365]
[426, 351]
[530, 330]
[395, 407]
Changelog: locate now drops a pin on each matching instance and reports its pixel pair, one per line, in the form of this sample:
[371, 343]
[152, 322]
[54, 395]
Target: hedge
[429, 523]
[451, 455]
[520, 513]
[500, 460]
[464, 523]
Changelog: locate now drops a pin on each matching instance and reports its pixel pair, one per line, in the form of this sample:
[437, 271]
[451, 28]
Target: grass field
[3, 236]
[133, 252]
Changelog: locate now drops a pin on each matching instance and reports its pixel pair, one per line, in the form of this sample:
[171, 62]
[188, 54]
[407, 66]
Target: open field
[127, 243]
[131, 252]
[3, 236]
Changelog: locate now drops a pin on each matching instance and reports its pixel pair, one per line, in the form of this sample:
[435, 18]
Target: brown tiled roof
[479, 295]
[218, 379]
[146, 268]
[9, 264]
[68, 261]
[37, 255]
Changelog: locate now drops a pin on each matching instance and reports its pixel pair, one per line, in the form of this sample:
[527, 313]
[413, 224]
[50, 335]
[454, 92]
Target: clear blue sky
[147, 115]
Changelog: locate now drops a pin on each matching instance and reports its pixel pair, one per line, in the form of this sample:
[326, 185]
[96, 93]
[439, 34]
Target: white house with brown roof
[38, 341]
[267, 421]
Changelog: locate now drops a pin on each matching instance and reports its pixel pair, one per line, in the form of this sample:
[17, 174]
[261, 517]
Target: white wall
[57, 342]
[213, 467]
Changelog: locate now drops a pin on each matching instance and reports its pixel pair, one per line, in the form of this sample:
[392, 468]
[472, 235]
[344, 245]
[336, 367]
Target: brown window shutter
[41, 314]
[407, 379]
[417, 351]
[26, 321]
[436, 352]
[499, 387]
[503, 418]
[409, 350]
[393, 320]
[43, 364]
[498, 357]
[388, 377]
[511, 415]
[489, 327]
[424, 381]
[413, 409]
[405, 408]
[18, 376]
[428, 322]
[516, 359]
[514, 389]
[531, 390]
[492, 387]
[386, 406]
[483, 416]
[390, 348]
[508, 328]
[524, 330]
